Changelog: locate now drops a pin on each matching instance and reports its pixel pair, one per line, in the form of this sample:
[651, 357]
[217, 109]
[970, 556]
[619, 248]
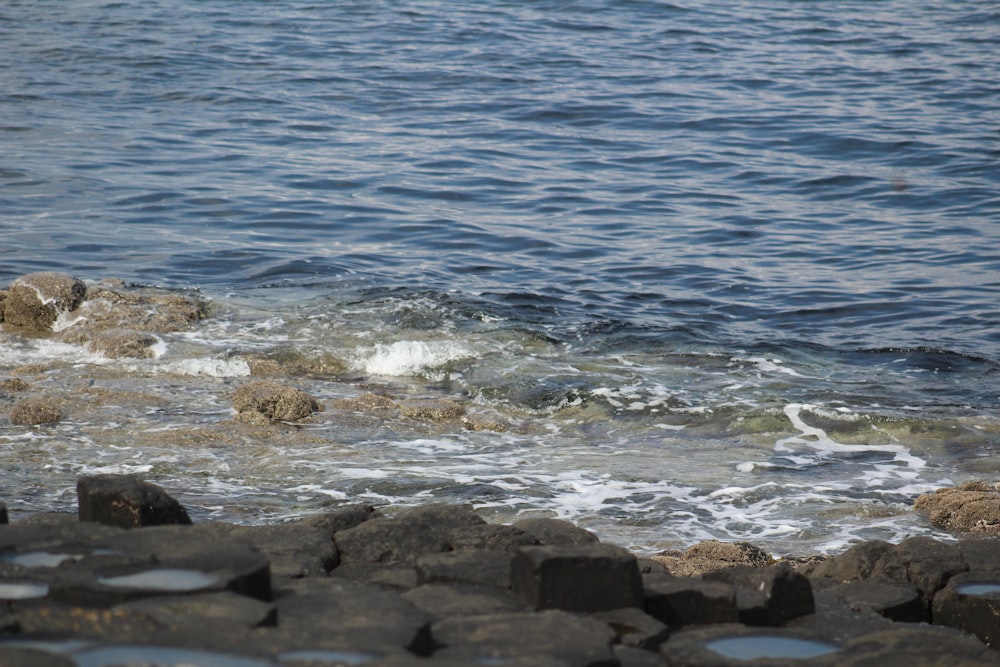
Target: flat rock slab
[767, 596]
[896, 601]
[207, 611]
[471, 566]
[406, 537]
[635, 628]
[491, 639]
[971, 601]
[585, 577]
[328, 611]
[555, 531]
[680, 601]
[165, 560]
[448, 600]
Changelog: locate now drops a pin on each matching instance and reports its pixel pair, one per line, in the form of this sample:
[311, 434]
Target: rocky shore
[130, 580]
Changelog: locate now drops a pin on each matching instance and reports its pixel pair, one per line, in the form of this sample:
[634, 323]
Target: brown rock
[708, 556]
[36, 300]
[973, 507]
[273, 401]
[14, 385]
[32, 411]
[124, 343]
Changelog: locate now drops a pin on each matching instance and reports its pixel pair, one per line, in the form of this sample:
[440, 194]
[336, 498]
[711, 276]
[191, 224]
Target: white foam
[817, 439]
[220, 368]
[409, 358]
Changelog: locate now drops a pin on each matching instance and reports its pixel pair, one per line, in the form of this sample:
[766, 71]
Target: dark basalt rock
[208, 612]
[4, 520]
[679, 601]
[971, 601]
[555, 531]
[21, 656]
[447, 600]
[354, 614]
[128, 502]
[769, 595]
[470, 566]
[896, 601]
[921, 561]
[403, 539]
[577, 577]
[635, 628]
[492, 639]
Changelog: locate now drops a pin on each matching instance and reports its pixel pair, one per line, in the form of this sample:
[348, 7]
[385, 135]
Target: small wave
[409, 358]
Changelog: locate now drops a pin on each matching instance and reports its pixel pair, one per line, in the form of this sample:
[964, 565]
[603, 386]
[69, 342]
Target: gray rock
[719, 646]
[585, 577]
[341, 613]
[971, 601]
[575, 640]
[492, 537]
[679, 601]
[924, 562]
[896, 601]
[926, 646]
[635, 628]
[297, 549]
[767, 595]
[486, 568]
[22, 656]
[163, 560]
[36, 300]
[446, 600]
[403, 539]
[208, 612]
[127, 501]
[555, 531]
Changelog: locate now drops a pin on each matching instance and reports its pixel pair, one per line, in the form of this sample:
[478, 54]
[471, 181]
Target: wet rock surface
[972, 508]
[437, 585]
[264, 402]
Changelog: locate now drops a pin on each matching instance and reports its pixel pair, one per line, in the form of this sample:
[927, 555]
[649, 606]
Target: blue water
[752, 207]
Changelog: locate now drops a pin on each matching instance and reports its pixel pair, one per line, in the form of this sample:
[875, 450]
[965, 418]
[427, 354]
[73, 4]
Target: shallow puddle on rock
[163, 580]
[38, 558]
[22, 590]
[770, 647]
[329, 657]
[978, 588]
[153, 656]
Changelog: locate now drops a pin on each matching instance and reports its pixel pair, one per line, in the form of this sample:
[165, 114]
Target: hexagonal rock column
[568, 639]
[577, 577]
[971, 601]
[127, 502]
[767, 596]
[678, 601]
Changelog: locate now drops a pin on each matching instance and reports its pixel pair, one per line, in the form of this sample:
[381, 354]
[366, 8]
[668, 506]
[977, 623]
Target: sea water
[721, 270]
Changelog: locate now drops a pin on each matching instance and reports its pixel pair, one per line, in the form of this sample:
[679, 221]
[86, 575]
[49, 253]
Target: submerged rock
[35, 301]
[124, 343]
[262, 401]
[970, 508]
[32, 411]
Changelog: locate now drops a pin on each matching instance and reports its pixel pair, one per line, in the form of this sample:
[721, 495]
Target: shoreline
[132, 575]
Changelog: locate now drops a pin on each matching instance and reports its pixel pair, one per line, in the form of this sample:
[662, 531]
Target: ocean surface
[724, 270]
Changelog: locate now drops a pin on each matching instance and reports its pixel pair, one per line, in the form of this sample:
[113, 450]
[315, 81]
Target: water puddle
[770, 647]
[978, 588]
[152, 656]
[331, 657]
[23, 590]
[176, 580]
